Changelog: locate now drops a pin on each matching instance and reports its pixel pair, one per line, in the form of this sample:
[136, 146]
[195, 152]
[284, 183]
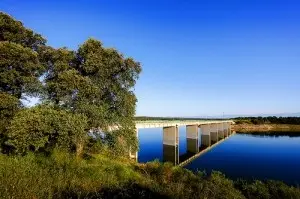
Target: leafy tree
[19, 62]
[93, 81]
[9, 105]
[14, 31]
[43, 128]
[97, 82]
[19, 70]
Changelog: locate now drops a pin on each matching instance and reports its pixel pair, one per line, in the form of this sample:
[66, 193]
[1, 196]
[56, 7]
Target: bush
[44, 128]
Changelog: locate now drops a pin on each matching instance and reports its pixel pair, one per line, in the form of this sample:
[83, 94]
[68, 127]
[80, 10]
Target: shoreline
[245, 128]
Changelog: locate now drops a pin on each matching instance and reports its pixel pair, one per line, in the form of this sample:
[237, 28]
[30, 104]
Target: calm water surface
[240, 156]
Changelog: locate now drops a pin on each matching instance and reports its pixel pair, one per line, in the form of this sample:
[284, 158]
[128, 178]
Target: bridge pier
[171, 144]
[229, 128]
[214, 133]
[192, 138]
[205, 135]
[220, 131]
[225, 129]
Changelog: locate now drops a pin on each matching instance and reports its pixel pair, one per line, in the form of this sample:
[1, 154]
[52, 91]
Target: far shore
[266, 128]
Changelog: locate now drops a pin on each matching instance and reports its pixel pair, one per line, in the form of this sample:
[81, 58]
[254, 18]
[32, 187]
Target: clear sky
[199, 57]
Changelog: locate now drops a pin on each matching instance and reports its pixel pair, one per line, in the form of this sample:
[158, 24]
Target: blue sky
[199, 58]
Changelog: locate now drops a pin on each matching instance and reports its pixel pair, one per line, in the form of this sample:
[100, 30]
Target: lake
[247, 156]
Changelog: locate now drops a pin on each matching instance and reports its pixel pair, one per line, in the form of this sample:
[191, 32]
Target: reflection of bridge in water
[212, 132]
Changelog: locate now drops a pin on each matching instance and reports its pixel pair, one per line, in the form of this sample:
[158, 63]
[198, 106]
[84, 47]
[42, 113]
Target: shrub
[43, 128]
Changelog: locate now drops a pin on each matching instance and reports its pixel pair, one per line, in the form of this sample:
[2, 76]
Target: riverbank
[63, 176]
[266, 128]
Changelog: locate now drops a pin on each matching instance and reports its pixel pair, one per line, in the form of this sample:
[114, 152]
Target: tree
[14, 31]
[97, 82]
[94, 82]
[9, 105]
[19, 62]
[45, 128]
[19, 68]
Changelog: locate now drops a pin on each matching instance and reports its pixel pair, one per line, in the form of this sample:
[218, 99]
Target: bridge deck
[165, 123]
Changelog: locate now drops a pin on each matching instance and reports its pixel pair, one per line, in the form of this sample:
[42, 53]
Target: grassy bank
[244, 127]
[63, 176]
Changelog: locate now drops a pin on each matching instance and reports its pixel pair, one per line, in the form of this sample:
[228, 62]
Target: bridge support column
[192, 138]
[214, 133]
[220, 131]
[171, 144]
[205, 135]
[225, 129]
[134, 154]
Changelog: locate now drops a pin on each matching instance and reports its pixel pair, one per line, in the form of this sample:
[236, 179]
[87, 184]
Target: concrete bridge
[211, 133]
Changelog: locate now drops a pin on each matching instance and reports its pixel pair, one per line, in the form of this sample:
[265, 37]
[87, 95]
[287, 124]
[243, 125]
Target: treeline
[267, 120]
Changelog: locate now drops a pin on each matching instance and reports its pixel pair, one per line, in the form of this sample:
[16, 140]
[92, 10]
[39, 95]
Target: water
[240, 156]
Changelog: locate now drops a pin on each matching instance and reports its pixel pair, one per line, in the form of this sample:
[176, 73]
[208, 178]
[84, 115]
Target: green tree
[44, 128]
[19, 68]
[14, 31]
[93, 81]
[19, 62]
[97, 82]
[9, 105]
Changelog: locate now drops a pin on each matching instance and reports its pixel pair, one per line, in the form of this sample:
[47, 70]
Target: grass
[61, 175]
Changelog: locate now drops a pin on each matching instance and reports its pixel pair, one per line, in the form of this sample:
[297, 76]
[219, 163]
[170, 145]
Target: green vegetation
[61, 175]
[80, 92]
[267, 120]
[63, 148]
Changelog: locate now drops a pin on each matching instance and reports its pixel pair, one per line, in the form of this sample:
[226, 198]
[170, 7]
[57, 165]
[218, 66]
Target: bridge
[208, 132]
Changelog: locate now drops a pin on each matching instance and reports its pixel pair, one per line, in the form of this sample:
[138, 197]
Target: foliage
[19, 63]
[14, 31]
[94, 82]
[43, 127]
[9, 105]
[267, 190]
[63, 176]
[19, 70]
[97, 82]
